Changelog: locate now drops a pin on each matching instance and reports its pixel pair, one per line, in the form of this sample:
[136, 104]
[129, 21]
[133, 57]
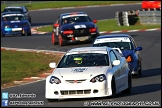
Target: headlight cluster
[98, 78]
[55, 80]
[6, 26]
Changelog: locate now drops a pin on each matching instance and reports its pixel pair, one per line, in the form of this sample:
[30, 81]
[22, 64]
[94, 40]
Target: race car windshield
[13, 10]
[76, 19]
[13, 18]
[84, 60]
[120, 45]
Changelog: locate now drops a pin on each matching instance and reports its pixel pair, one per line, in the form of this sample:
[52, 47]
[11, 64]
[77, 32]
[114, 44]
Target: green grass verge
[110, 25]
[59, 4]
[16, 65]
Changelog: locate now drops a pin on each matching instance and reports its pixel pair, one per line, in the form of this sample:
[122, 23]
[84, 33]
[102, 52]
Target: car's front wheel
[51, 100]
[61, 41]
[139, 71]
[29, 34]
[113, 87]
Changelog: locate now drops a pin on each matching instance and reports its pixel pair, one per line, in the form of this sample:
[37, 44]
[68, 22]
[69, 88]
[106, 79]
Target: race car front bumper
[79, 38]
[65, 91]
[15, 31]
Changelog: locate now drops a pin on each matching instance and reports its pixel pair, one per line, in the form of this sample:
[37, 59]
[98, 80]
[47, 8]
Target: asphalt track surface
[146, 88]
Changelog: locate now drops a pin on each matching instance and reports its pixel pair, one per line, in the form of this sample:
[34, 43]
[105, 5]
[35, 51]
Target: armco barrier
[143, 16]
[149, 17]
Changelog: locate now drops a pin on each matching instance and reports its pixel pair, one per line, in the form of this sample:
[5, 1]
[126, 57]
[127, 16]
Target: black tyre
[49, 100]
[113, 87]
[29, 34]
[139, 72]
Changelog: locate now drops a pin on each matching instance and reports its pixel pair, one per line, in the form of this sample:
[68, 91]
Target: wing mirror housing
[116, 62]
[138, 48]
[56, 25]
[94, 21]
[52, 65]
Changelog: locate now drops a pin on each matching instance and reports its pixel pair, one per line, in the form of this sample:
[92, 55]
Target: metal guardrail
[21, 2]
[144, 16]
[149, 17]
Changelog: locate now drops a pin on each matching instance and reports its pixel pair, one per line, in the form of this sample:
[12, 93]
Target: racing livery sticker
[111, 40]
[79, 70]
[79, 26]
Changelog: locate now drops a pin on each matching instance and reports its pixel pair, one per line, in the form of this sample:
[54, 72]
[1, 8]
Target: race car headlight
[55, 80]
[98, 78]
[6, 26]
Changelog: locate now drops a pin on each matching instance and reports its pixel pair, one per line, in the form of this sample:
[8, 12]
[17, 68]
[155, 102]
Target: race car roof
[17, 12]
[64, 15]
[90, 49]
[102, 50]
[12, 14]
[113, 36]
[13, 7]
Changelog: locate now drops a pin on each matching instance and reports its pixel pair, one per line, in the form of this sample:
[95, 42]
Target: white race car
[88, 72]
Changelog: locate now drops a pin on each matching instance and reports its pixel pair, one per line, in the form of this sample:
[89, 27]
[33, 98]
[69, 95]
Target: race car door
[116, 69]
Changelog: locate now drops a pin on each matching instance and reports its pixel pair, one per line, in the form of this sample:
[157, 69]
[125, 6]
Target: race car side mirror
[56, 25]
[116, 62]
[94, 21]
[52, 65]
[138, 48]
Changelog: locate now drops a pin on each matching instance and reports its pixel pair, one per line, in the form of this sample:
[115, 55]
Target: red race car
[151, 4]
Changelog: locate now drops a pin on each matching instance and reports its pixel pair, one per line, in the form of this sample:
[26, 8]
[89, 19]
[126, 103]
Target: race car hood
[77, 25]
[127, 52]
[80, 72]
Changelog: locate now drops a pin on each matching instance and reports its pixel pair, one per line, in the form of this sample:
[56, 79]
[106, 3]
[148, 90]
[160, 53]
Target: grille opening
[56, 92]
[75, 92]
[95, 91]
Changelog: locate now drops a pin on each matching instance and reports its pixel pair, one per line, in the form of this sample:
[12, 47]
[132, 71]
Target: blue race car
[128, 49]
[21, 9]
[14, 23]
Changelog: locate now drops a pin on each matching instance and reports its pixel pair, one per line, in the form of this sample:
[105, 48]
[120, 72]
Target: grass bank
[16, 65]
[110, 25]
[59, 4]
